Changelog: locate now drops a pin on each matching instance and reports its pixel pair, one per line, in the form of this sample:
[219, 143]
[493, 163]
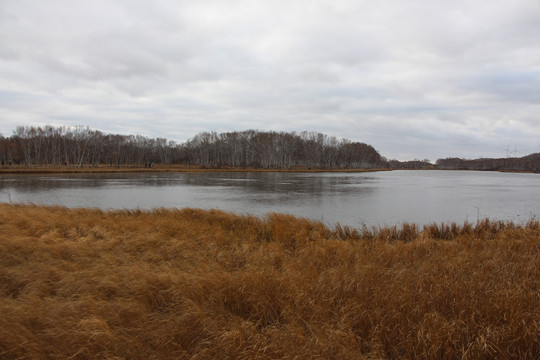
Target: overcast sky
[415, 79]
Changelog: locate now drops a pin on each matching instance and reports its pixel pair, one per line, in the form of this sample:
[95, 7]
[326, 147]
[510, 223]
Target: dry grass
[193, 284]
[19, 169]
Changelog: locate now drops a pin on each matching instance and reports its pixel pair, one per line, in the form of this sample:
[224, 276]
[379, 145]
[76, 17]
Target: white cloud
[414, 78]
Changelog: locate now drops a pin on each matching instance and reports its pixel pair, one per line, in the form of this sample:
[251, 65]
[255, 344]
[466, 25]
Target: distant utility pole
[513, 152]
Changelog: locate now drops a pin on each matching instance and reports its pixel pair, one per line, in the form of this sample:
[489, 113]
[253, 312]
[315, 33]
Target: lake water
[354, 199]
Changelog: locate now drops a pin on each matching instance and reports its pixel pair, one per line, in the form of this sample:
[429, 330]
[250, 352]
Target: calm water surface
[355, 199]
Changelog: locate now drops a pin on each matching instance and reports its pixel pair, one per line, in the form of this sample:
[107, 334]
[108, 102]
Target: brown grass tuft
[194, 284]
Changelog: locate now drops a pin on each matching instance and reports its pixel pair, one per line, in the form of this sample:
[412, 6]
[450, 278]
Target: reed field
[194, 284]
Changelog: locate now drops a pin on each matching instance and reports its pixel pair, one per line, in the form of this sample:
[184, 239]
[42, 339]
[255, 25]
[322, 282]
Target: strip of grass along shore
[194, 284]
[19, 169]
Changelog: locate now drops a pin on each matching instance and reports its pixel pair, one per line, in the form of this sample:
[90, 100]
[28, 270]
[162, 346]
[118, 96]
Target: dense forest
[82, 146]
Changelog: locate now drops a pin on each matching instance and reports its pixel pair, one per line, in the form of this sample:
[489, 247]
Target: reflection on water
[349, 198]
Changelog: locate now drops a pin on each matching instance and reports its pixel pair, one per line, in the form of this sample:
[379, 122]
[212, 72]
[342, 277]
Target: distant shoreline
[182, 168]
[481, 170]
[163, 169]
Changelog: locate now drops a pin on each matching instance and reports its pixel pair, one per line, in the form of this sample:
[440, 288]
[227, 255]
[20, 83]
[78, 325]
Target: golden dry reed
[194, 284]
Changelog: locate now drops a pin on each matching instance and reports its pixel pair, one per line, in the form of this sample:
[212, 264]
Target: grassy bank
[193, 284]
[159, 168]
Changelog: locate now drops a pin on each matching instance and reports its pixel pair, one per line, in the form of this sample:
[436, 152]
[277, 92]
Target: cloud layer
[415, 79]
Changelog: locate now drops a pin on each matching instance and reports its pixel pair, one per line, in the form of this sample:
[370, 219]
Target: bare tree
[77, 146]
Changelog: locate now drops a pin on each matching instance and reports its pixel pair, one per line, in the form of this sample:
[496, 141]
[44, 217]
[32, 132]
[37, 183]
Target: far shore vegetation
[159, 168]
[68, 148]
[194, 284]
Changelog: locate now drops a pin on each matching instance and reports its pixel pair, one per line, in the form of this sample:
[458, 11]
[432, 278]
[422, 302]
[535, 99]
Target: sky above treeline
[415, 79]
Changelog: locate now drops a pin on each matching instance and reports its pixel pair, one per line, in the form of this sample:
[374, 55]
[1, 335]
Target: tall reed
[194, 284]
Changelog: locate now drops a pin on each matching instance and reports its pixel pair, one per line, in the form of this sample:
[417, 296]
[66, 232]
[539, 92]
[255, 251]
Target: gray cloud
[416, 79]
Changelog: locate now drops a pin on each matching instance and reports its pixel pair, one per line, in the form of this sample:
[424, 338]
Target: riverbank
[183, 284]
[161, 168]
[182, 168]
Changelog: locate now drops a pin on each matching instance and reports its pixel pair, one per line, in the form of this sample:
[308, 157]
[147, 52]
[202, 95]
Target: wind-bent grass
[193, 284]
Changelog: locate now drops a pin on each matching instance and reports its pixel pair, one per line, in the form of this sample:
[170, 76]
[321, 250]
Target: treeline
[279, 150]
[525, 163]
[82, 146]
